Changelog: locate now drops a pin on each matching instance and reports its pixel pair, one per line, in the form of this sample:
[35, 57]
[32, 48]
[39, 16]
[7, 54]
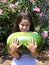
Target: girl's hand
[14, 45]
[32, 46]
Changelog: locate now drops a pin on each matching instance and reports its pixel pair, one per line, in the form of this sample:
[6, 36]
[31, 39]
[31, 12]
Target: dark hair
[20, 16]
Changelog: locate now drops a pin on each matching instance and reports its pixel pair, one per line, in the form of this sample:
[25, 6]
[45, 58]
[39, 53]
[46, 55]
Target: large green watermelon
[23, 37]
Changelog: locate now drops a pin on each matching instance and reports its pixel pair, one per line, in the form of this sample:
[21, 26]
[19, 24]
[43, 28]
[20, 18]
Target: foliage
[38, 8]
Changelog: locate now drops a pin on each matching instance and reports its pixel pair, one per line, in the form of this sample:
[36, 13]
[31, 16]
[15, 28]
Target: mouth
[24, 31]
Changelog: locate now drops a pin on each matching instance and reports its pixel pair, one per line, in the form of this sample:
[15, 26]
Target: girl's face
[24, 25]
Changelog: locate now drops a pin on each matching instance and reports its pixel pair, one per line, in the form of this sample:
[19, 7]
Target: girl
[24, 23]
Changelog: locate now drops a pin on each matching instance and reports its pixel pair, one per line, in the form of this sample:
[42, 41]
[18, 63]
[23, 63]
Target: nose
[24, 27]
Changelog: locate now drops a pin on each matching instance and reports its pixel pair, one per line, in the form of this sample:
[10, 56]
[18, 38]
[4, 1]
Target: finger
[30, 42]
[11, 44]
[35, 44]
[15, 40]
[19, 45]
[26, 45]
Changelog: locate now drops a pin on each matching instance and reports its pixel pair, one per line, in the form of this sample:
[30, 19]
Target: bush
[38, 8]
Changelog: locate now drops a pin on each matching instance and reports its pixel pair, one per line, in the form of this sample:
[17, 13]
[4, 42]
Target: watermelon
[23, 37]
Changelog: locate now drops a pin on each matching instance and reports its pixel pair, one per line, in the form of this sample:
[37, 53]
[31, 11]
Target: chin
[23, 31]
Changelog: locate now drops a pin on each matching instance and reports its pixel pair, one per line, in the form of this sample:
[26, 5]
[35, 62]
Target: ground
[42, 59]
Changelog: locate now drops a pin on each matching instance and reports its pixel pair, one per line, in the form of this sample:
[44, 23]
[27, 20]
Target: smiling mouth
[24, 30]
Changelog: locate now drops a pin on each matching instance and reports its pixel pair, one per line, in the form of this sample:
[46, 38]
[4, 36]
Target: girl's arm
[32, 46]
[13, 48]
[14, 54]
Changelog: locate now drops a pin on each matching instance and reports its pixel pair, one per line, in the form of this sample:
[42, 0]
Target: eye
[26, 25]
[22, 24]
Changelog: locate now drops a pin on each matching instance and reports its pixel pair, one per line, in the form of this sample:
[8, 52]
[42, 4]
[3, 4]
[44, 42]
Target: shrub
[9, 9]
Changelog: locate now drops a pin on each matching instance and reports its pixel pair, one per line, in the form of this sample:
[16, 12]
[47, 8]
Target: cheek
[28, 27]
[20, 26]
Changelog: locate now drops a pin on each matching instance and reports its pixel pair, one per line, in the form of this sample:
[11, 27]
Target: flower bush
[38, 8]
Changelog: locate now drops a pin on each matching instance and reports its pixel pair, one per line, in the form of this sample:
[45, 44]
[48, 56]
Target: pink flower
[31, 0]
[41, 14]
[3, 1]
[11, 6]
[1, 11]
[44, 34]
[16, 3]
[37, 9]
